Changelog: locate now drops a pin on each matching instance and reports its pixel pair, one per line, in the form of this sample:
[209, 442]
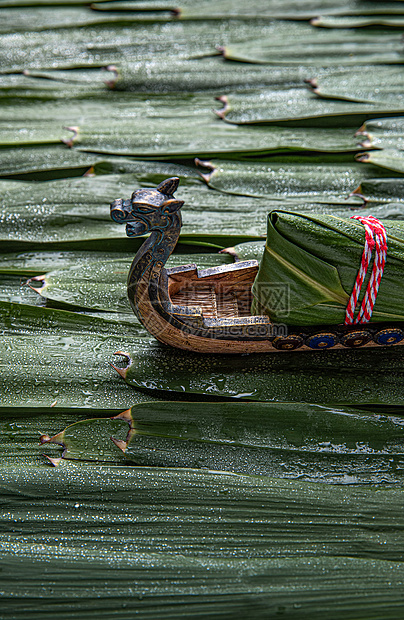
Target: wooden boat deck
[219, 292]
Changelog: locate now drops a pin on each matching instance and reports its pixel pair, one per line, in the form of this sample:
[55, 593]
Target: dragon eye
[143, 209]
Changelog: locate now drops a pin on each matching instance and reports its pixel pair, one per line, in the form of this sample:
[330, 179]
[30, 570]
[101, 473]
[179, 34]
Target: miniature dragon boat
[210, 310]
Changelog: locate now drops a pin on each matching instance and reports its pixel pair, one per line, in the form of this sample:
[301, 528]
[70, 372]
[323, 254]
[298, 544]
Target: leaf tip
[361, 131]
[90, 172]
[358, 192]
[122, 445]
[205, 164]
[226, 106]
[362, 157]
[111, 83]
[123, 371]
[40, 279]
[312, 83]
[231, 251]
[55, 462]
[70, 141]
[125, 415]
[58, 438]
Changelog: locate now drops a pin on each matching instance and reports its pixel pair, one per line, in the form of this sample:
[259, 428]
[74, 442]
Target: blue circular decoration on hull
[389, 336]
[322, 341]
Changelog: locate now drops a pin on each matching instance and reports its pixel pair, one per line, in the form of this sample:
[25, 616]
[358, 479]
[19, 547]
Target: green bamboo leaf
[45, 162]
[289, 9]
[32, 85]
[90, 440]
[88, 76]
[101, 285]
[32, 264]
[388, 158]
[75, 212]
[71, 49]
[31, 133]
[203, 136]
[317, 47]
[385, 21]
[267, 540]
[66, 210]
[328, 377]
[312, 179]
[283, 440]
[21, 431]
[71, 209]
[298, 104]
[252, 250]
[201, 133]
[39, 163]
[378, 85]
[158, 127]
[14, 291]
[38, 19]
[390, 191]
[99, 46]
[64, 364]
[198, 74]
[39, 3]
[385, 133]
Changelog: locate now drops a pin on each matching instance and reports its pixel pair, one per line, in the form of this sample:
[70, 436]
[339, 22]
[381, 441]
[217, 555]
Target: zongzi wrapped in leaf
[310, 264]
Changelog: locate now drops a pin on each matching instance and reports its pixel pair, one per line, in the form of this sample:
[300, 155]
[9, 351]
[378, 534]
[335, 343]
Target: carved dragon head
[148, 209]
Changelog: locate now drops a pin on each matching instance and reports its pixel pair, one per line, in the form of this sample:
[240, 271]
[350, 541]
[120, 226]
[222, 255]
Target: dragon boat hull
[209, 310]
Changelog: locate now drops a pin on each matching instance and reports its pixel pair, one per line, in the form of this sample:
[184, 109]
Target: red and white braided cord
[375, 239]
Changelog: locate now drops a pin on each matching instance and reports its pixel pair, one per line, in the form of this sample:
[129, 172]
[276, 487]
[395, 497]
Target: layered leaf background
[257, 486]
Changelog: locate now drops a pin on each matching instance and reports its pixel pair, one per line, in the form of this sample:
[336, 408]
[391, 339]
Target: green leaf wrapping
[317, 258]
